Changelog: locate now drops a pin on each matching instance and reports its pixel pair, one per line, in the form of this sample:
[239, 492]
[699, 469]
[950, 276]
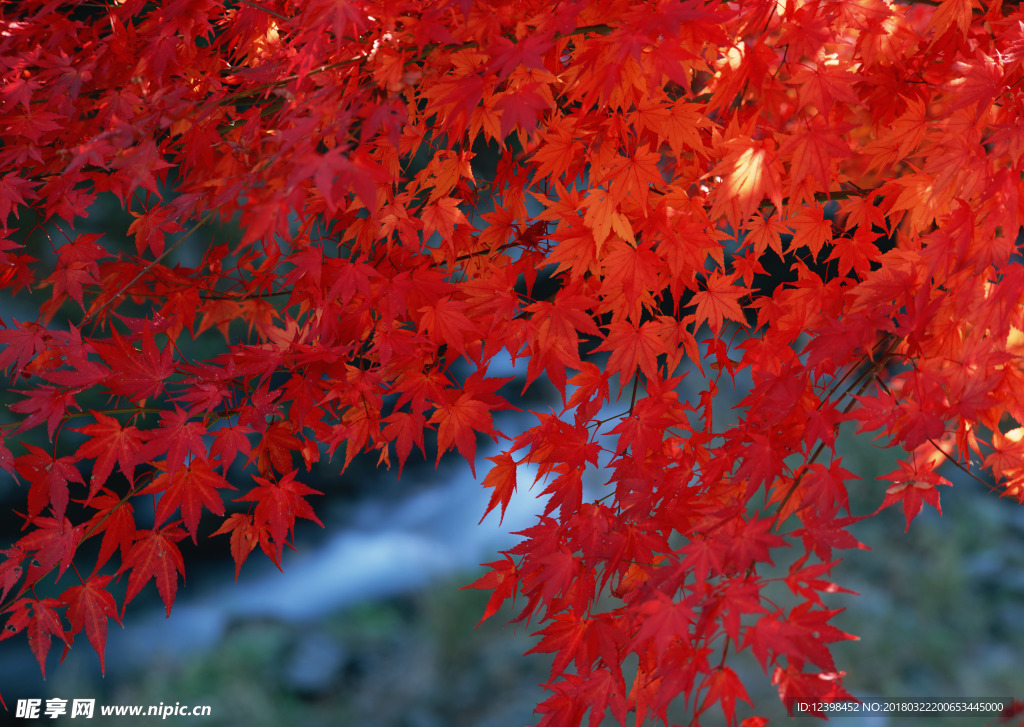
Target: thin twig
[268, 11]
[89, 316]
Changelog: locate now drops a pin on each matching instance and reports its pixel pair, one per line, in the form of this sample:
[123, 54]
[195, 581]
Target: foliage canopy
[651, 158]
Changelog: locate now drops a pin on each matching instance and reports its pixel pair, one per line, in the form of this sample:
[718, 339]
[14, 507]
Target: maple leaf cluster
[649, 157]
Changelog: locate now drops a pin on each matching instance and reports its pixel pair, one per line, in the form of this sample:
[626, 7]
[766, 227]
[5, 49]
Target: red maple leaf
[77, 267]
[136, 374]
[229, 442]
[10, 570]
[445, 323]
[277, 506]
[274, 451]
[117, 519]
[664, 621]
[466, 413]
[633, 346]
[719, 300]
[42, 621]
[54, 540]
[502, 578]
[179, 437]
[244, 537]
[109, 442]
[724, 686]
[502, 478]
[49, 480]
[88, 607]
[521, 108]
[44, 403]
[22, 341]
[191, 488]
[797, 686]
[155, 555]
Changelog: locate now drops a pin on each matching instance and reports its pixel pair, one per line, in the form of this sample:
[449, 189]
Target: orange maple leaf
[719, 300]
[750, 172]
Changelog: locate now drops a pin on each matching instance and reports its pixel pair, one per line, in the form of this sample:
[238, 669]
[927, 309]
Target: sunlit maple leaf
[749, 173]
[915, 483]
[950, 12]
[797, 686]
[603, 217]
[634, 176]
[558, 154]
[765, 232]
[502, 477]
[811, 230]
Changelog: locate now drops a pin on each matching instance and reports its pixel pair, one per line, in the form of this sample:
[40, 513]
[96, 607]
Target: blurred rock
[313, 665]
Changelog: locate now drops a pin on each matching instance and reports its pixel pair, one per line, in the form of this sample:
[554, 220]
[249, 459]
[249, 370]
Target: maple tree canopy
[591, 188]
